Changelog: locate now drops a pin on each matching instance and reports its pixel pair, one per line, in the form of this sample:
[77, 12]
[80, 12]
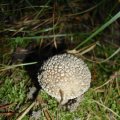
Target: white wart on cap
[65, 73]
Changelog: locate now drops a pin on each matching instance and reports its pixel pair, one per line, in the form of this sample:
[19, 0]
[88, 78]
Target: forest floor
[32, 31]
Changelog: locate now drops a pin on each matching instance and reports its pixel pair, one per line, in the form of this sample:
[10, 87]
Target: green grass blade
[100, 29]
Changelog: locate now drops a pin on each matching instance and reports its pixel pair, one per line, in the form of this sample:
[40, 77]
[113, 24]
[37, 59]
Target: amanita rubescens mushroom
[64, 77]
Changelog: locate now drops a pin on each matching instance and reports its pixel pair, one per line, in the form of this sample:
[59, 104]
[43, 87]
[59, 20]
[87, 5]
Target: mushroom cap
[64, 73]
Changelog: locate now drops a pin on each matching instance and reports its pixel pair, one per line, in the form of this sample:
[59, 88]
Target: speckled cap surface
[65, 73]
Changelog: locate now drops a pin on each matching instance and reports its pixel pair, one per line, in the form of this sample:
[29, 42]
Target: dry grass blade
[6, 106]
[8, 114]
[72, 51]
[14, 66]
[88, 48]
[83, 50]
[106, 108]
[47, 114]
[116, 52]
[85, 11]
[25, 111]
[45, 110]
[112, 77]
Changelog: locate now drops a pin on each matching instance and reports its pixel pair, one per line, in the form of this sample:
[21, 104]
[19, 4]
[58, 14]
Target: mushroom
[64, 77]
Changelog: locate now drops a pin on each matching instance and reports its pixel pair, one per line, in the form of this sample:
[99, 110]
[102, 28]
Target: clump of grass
[13, 90]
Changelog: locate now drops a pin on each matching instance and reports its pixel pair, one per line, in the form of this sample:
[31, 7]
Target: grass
[114, 18]
[50, 25]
